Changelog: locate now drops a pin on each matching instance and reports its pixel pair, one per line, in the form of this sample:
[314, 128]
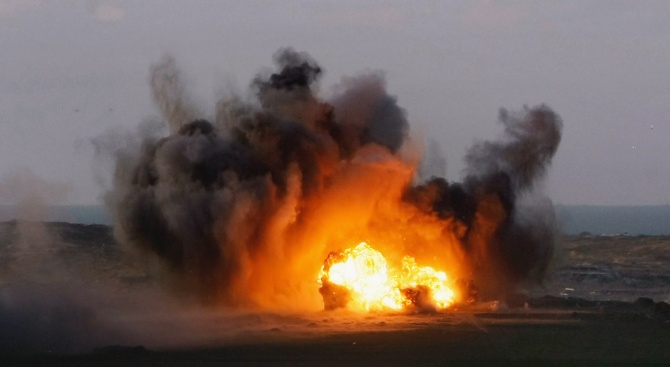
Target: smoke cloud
[242, 209]
[40, 307]
[508, 246]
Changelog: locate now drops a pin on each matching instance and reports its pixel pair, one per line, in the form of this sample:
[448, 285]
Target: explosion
[240, 207]
[359, 277]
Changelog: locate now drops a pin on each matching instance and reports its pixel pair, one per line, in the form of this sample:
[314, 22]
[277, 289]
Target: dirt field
[611, 268]
[589, 312]
[550, 337]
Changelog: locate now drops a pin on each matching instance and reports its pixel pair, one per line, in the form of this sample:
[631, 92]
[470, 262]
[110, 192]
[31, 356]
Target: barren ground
[589, 312]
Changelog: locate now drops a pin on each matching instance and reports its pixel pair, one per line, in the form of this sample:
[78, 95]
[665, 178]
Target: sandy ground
[587, 313]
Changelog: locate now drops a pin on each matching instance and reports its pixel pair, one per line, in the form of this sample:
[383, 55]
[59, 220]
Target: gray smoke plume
[509, 246]
[510, 167]
[238, 208]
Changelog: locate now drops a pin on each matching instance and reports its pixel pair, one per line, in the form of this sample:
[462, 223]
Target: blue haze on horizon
[571, 220]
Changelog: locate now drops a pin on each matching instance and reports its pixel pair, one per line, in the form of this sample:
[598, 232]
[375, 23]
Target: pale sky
[71, 70]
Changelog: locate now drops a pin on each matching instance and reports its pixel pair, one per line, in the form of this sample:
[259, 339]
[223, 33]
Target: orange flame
[371, 285]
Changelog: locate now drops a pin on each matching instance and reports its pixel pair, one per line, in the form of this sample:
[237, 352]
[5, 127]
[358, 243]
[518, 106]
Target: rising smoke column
[509, 246]
[510, 167]
[240, 207]
[212, 199]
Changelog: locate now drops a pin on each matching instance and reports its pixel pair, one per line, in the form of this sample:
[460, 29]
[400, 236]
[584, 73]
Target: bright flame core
[371, 285]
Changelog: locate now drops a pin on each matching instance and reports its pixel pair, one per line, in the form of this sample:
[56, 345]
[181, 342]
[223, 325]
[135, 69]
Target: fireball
[360, 278]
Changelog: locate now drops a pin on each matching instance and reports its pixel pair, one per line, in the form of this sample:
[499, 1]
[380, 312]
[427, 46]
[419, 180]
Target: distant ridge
[81, 214]
[572, 219]
[613, 220]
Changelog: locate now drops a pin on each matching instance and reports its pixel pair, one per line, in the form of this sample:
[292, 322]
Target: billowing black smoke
[203, 198]
[520, 244]
[225, 202]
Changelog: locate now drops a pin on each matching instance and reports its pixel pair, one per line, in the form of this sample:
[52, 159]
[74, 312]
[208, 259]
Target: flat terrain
[552, 337]
[589, 312]
[611, 268]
